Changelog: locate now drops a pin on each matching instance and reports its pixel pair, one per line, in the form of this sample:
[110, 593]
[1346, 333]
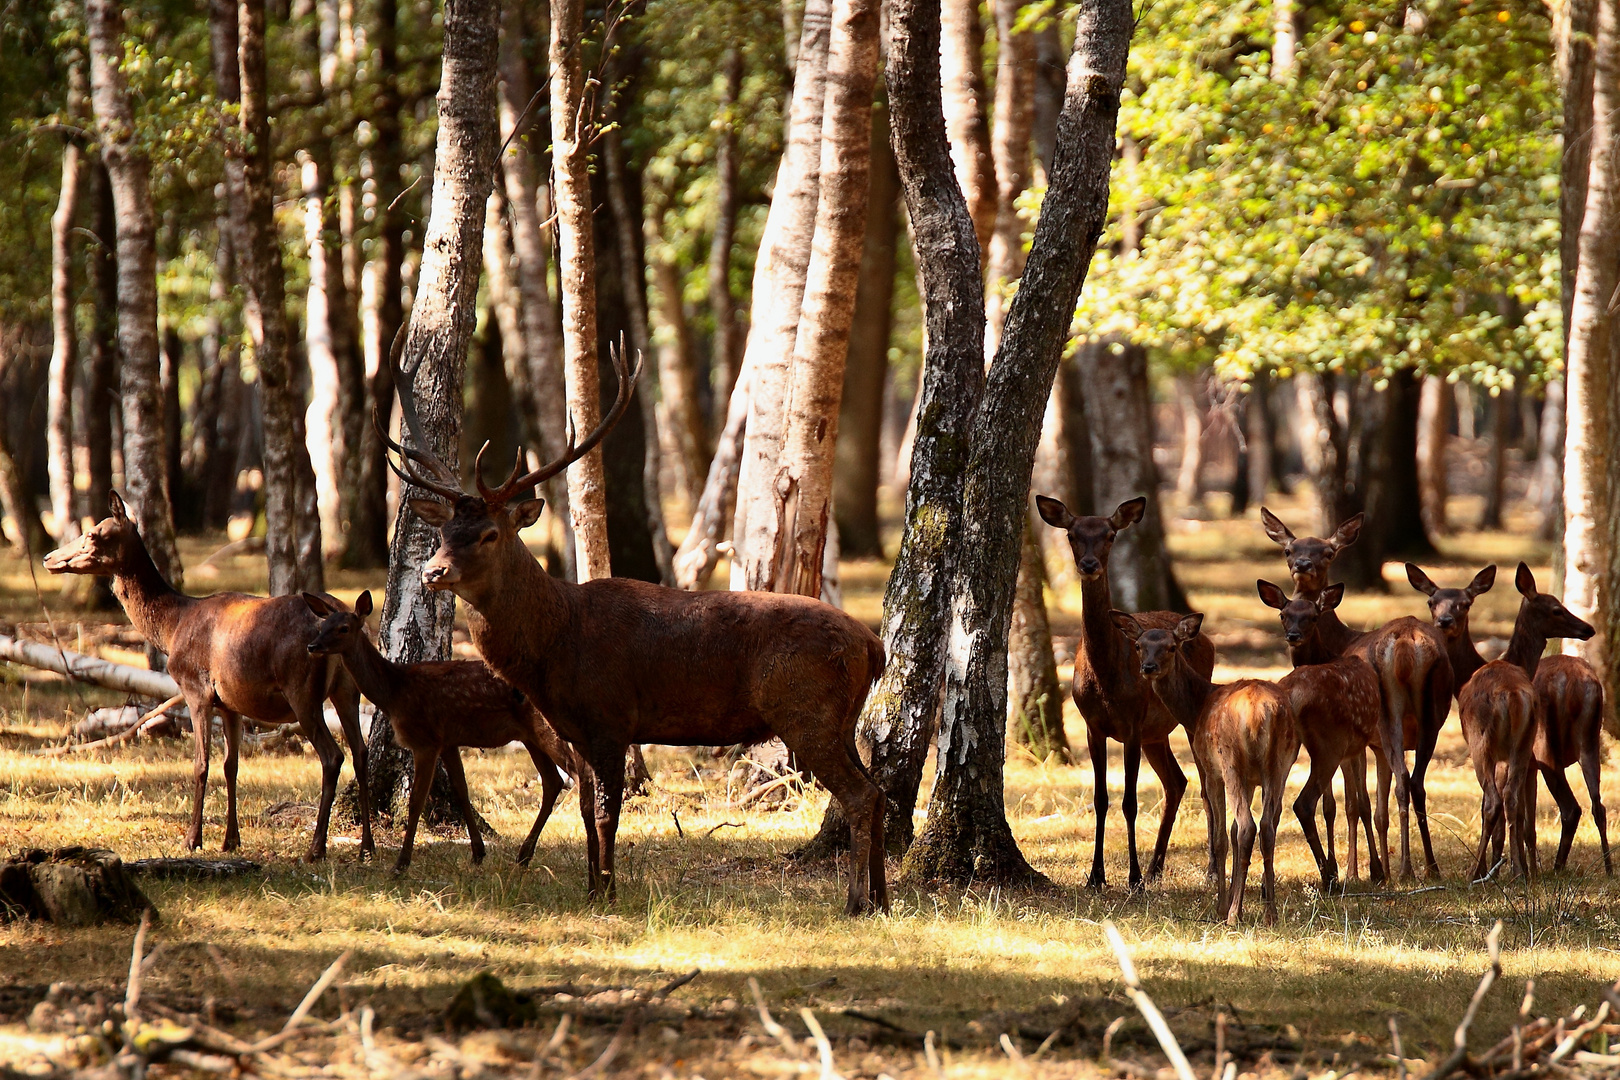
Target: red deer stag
[1111, 694]
[1414, 678]
[614, 661]
[1337, 706]
[439, 707]
[238, 655]
[1243, 732]
[1570, 695]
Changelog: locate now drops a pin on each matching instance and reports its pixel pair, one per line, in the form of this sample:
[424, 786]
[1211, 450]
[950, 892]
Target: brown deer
[1571, 718]
[1501, 713]
[1414, 678]
[1243, 732]
[613, 661]
[1338, 707]
[1113, 698]
[438, 707]
[237, 655]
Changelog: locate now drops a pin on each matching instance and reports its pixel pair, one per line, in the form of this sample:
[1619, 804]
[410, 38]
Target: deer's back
[1339, 696]
[1250, 727]
[1414, 673]
[1571, 696]
[458, 703]
[1111, 693]
[250, 651]
[1498, 707]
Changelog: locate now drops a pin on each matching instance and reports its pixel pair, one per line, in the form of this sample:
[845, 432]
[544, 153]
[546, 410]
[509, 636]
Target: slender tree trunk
[101, 375]
[1063, 467]
[1189, 487]
[803, 481]
[17, 497]
[505, 327]
[576, 272]
[1576, 27]
[129, 170]
[1034, 695]
[966, 837]
[903, 708]
[416, 623]
[963, 91]
[1010, 150]
[526, 196]
[1433, 433]
[1048, 93]
[1590, 389]
[171, 359]
[1547, 480]
[860, 419]
[64, 347]
[1391, 488]
[678, 368]
[727, 354]
[1499, 412]
[786, 254]
[699, 552]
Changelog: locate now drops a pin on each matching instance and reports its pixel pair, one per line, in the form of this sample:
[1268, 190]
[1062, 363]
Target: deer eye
[489, 537]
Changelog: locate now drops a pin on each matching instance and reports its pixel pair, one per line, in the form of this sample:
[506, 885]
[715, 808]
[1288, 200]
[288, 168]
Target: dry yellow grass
[717, 892]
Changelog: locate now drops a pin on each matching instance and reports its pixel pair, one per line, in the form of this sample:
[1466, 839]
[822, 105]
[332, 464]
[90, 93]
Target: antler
[515, 483]
[429, 472]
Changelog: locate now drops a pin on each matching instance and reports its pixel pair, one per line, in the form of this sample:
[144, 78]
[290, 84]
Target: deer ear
[1329, 598]
[362, 606]
[527, 512]
[1524, 581]
[1189, 626]
[1482, 581]
[317, 605]
[1127, 623]
[432, 511]
[1420, 581]
[1274, 527]
[1053, 512]
[115, 506]
[1128, 513]
[1346, 533]
[1271, 595]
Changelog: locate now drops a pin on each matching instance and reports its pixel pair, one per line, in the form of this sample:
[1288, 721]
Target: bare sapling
[234, 654]
[1244, 733]
[613, 661]
[1337, 706]
[1571, 720]
[1414, 679]
[438, 707]
[1114, 699]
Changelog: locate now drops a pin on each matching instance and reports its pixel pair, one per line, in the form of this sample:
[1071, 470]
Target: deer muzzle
[61, 561]
[439, 573]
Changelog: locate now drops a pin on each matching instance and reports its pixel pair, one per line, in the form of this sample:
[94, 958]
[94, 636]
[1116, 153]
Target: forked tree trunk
[129, 170]
[727, 353]
[902, 709]
[1590, 385]
[962, 89]
[64, 346]
[785, 254]
[416, 623]
[804, 477]
[294, 567]
[966, 837]
[860, 417]
[576, 273]
[1433, 433]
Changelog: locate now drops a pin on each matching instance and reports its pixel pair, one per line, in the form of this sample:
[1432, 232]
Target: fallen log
[131, 680]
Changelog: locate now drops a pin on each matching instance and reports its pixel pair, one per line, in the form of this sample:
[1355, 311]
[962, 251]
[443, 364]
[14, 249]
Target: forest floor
[997, 975]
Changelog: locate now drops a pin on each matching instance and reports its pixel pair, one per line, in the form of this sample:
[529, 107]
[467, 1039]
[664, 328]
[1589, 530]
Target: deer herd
[579, 673]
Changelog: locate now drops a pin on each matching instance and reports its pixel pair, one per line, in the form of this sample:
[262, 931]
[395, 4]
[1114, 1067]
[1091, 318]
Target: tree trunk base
[72, 886]
[954, 851]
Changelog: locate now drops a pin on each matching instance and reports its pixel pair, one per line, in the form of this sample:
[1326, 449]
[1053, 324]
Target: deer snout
[1444, 622]
[1294, 636]
[1090, 564]
[438, 575]
[1150, 667]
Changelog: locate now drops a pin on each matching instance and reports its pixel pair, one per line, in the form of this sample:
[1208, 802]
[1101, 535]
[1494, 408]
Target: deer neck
[1526, 645]
[1464, 657]
[1099, 637]
[378, 677]
[152, 604]
[517, 616]
[1184, 693]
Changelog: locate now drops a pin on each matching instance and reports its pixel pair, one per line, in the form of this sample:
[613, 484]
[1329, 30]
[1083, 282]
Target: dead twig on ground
[1144, 1004]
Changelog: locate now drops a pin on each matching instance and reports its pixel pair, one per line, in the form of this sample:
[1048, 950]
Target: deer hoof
[1097, 882]
[315, 855]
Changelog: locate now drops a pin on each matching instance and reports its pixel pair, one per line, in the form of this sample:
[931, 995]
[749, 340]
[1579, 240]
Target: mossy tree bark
[966, 837]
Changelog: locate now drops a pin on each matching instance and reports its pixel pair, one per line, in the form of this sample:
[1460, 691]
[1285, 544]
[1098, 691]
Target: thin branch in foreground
[772, 1028]
[290, 1028]
[823, 1047]
[1459, 1055]
[1144, 1004]
[132, 995]
[1395, 1041]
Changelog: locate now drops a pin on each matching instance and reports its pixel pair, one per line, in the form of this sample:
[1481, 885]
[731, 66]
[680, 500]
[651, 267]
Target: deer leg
[345, 699]
[1490, 806]
[1271, 814]
[1242, 852]
[233, 750]
[1218, 837]
[1420, 795]
[1381, 815]
[1163, 762]
[1517, 822]
[421, 785]
[1133, 765]
[1569, 811]
[860, 799]
[314, 727]
[1330, 817]
[1097, 746]
[587, 811]
[1591, 769]
[551, 785]
[608, 765]
[201, 722]
[458, 788]
[1318, 787]
[1355, 781]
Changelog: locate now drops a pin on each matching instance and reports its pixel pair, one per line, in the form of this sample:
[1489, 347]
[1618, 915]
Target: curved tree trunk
[129, 170]
[785, 256]
[961, 63]
[966, 837]
[576, 273]
[64, 348]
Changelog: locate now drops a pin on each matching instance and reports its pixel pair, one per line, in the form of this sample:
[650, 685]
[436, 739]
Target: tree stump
[73, 886]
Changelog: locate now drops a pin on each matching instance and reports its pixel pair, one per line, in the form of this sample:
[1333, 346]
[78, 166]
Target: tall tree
[964, 95]
[292, 536]
[723, 306]
[129, 170]
[101, 372]
[966, 837]
[576, 274]
[64, 328]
